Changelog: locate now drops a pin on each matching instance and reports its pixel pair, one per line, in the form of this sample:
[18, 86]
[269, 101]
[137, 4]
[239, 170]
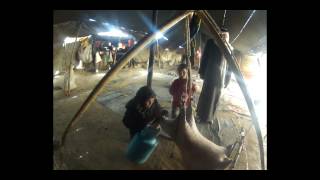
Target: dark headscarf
[143, 94]
[137, 116]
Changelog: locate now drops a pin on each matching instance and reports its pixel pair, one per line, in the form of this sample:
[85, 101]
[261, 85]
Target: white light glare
[92, 20]
[167, 49]
[180, 47]
[114, 33]
[258, 90]
[160, 35]
[68, 40]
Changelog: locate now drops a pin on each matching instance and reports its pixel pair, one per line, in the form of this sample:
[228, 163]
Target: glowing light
[180, 47]
[167, 49]
[135, 42]
[122, 27]
[113, 33]
[92, 20]
[160, 35]
[257, 87]
[68, 40]
[121, 45]
[57, 72]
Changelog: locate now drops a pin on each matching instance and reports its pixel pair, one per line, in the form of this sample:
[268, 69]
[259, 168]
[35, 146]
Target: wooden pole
[188, 54]
[118, 66]
[67, 91]
[152, 48]
[225, 49]
[200, 48]
[158, 54]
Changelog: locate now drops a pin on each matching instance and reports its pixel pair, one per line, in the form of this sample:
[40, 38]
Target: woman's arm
[129, 119]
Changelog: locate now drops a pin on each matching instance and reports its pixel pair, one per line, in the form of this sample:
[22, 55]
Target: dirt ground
[99, 140]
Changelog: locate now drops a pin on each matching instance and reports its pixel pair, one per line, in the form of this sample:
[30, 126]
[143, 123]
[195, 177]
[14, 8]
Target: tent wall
[61, 55]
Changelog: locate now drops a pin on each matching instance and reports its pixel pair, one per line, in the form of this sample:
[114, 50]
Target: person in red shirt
[179, 92]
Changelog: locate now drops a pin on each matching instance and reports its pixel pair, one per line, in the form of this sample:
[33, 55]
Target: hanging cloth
[85, 54]
[212, 71]
[98, 57]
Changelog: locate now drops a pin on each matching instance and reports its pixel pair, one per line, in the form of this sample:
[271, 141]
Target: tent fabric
[73, 84]
[98, 57]
[85, 54]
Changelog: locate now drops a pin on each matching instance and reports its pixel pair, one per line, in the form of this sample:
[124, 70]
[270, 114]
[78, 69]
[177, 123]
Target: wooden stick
[151, 52]
[122, 62]
[214, 29]
[188, 45]
[70, 64]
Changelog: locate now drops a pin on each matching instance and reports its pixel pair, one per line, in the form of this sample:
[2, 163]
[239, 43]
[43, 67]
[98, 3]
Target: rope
[244, 26]
[182, 106]
[244, 144]
[187, 36]
[224, 16]
[231, 59]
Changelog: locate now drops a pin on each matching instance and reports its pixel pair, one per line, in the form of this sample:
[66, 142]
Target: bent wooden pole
[122, 62]
[213, 28]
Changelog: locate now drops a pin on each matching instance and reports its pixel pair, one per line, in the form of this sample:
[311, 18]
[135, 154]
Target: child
[178, 90]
